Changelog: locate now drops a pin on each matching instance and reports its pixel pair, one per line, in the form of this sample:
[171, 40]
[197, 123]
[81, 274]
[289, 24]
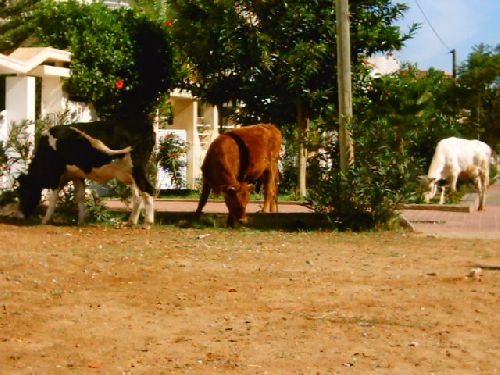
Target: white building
[21, 68]
[383, 64]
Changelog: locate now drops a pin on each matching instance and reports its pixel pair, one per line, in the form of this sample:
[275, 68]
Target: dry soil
[98, 300]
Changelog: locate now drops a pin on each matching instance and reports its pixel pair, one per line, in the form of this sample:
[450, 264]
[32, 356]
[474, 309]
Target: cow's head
[29, 194]
[237, 197]
[429, 187]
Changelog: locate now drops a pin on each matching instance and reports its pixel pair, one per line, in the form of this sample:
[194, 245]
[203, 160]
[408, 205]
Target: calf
[456, 157]
[235, 161]
[98, 151]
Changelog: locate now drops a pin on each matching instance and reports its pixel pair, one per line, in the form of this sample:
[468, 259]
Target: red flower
[119, 84]
[168, 23]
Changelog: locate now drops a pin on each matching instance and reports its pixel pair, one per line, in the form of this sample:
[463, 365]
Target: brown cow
[235, 161]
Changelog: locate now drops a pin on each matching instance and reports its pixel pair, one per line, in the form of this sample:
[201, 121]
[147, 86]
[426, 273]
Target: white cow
[456, 157]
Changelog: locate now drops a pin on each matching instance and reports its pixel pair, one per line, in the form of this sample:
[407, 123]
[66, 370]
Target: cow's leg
[230, 220]
[150, 209]
[136, 205]
[274, 196]
[53, 195]
[205, 193]
[483, 183]
[481, 186]
[441, 198]
[80, 200]
[143, 194]
[273, 181]
[268, 191]
[271, 189]
[454, 180]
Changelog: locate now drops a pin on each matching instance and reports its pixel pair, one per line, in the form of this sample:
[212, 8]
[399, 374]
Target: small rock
[475, 272]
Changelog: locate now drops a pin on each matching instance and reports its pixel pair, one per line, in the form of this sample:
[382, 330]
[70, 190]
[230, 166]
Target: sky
[461, 25]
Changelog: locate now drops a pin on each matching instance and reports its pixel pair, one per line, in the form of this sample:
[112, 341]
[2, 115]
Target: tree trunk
[303, 127]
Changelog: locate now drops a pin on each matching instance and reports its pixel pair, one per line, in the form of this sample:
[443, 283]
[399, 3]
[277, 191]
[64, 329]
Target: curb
[468, 204]
[285, 221]
[405, 223]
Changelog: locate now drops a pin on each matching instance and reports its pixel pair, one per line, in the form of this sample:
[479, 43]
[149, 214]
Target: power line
[432, 27]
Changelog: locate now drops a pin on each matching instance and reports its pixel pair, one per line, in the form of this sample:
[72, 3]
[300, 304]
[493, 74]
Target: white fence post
[4, 136]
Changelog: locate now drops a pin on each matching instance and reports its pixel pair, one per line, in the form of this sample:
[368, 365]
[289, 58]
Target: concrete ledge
[405, 223]
[284, 221]
[468, 203]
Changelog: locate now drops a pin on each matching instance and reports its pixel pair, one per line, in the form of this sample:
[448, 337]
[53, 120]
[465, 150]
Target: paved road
[477, 224]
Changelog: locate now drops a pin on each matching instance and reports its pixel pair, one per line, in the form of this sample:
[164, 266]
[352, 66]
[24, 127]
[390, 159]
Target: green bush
[67, 212]
[15, 153]
[169, 156]
[379, 180]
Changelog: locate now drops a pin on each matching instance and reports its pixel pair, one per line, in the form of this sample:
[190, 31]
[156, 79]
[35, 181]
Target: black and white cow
[98, 151]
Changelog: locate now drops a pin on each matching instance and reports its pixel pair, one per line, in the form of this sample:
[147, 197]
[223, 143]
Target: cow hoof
[146, 226]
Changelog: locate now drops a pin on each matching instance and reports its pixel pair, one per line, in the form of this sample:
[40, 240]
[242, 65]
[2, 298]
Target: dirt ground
[99, 300]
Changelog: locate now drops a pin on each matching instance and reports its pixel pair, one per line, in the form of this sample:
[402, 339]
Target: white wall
[53, 100]
[4, 127]
[17, 88]
[4, 134]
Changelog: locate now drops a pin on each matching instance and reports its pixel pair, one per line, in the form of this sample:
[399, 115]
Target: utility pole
[455, 64]
[344, 83]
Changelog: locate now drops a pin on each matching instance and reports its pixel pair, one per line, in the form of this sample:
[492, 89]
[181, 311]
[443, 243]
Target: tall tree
[277, 57]
[16, 26]
[479, 89]
[419, 108]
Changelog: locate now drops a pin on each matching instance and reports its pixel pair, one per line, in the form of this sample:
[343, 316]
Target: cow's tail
[99, 145]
